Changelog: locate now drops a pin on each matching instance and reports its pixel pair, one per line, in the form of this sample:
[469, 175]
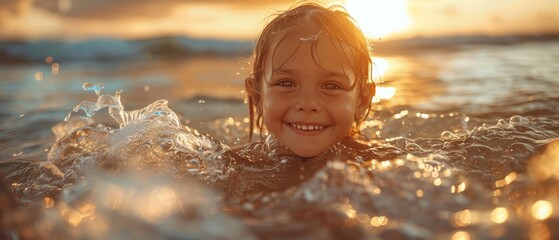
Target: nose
[307, 102]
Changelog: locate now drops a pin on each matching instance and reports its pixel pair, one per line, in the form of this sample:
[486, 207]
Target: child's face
[309, 104]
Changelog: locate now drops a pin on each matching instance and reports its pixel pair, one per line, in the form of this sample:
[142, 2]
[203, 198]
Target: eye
[332, 86]
[284, 83]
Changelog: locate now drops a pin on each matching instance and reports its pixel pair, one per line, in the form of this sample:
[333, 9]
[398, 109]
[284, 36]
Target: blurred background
[242, 19]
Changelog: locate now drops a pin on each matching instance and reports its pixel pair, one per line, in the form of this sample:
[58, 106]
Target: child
[311, 83]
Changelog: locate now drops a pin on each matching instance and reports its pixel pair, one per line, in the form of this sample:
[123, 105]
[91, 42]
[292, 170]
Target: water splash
[101, 181]
[157, 111]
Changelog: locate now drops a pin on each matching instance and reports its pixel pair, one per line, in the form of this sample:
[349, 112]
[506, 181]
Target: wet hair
[333, 21]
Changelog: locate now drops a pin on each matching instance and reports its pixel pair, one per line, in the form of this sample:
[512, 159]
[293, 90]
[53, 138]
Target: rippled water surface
[463, 146]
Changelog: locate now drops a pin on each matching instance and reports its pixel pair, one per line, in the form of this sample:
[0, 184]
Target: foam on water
[162, 179]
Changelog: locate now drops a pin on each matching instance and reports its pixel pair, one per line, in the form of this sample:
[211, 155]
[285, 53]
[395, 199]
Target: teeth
[307, 127]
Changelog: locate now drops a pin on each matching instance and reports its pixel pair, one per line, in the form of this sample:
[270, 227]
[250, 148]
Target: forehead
[302, 46]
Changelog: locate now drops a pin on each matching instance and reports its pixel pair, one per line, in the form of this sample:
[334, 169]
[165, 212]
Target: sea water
[463, 146]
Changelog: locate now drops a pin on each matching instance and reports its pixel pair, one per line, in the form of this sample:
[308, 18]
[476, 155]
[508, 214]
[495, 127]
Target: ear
[253, 93]
[364, 101]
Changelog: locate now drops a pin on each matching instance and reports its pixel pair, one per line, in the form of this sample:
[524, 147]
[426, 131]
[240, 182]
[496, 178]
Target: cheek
[353, 110]
[267, 104]
[271, 106]
[346, 110]
[352, 102]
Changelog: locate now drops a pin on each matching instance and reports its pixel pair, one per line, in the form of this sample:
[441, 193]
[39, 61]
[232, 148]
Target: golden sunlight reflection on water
[384, 93]
[160, 203]
[545, 165]
[379, 221]
[499, 215]
[542, 209]
[397, 79]
[460, 235]
[462, 218]
[380, 68]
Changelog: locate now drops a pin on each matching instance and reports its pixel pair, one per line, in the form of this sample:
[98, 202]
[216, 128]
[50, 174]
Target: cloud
[241, 19]
[74, 19]
[123, 9]
[13, 8]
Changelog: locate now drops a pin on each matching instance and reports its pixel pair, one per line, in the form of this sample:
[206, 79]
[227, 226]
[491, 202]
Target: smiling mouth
[307, 127]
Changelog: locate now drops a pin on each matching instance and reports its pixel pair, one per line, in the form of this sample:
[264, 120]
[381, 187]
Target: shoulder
[357, 144]
[372, 149]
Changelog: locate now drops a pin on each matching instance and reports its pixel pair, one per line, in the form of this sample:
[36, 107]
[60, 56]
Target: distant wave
[176, 47]
[105, 49]
[450, 41]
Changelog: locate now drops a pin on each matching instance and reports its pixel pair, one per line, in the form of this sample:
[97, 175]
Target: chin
[306, 153]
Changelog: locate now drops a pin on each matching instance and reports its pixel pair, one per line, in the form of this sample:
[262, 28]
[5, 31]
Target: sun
[379, 18]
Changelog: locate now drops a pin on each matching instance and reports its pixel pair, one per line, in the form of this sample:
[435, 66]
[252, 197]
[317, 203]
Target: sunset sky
[242, 19]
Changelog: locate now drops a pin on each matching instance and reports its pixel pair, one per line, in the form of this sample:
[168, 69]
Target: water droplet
[502, 124]
[95, 87]
[48, 202]
[462, 218]
[39, 76]
[308, 195]
[55, 68]
[378, 221]
[518, 120]
[447, 135]
[248, 206]
[411, 146]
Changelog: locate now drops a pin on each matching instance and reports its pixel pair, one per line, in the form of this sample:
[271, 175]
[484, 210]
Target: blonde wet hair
[333, 21]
